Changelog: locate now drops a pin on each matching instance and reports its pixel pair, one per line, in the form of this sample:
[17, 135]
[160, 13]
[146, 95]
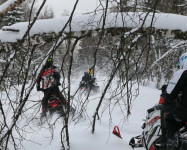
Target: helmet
[49, 62]
[182, 64]
[85, 73]
[90, 71]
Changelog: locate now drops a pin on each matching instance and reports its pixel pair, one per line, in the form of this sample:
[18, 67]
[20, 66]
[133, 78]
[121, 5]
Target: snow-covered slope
[39, 136]
[92, 22]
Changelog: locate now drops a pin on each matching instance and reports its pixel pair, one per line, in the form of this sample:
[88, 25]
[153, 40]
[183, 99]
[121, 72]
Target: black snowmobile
[154, 135]
[89, 86]
[55, 104]
[58, 105]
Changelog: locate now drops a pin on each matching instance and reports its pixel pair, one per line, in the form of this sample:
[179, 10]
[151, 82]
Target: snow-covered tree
[126, 55]
[170, 6]
[8, 5]
[48, 13]
[13, 16]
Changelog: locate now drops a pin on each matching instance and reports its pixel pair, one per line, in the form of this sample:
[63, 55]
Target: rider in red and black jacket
[50, 78]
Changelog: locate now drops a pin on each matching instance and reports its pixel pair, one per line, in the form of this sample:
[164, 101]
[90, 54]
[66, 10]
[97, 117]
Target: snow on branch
[131, 20]
[173, 48]
[8, 5]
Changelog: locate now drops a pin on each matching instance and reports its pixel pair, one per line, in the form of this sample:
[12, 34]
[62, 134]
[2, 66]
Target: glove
[38, 88]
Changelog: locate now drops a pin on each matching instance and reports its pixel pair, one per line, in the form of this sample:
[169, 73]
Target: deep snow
[39, 136]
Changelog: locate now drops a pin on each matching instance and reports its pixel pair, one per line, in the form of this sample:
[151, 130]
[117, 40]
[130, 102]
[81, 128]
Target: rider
[85, 79]
[88, 78]
[176, 97]
[91, 71]
[50, 78]
[163, 94]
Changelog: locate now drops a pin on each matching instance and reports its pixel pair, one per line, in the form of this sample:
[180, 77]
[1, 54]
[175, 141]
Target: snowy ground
[38, 136]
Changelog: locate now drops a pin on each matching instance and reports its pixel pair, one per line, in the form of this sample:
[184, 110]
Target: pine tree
[169, 6]
[13, 16]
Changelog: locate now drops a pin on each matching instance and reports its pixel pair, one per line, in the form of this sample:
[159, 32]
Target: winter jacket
[176, 86]
[86, 78]
[48, 76]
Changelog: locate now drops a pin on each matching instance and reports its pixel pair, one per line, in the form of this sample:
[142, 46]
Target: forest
[127, 43]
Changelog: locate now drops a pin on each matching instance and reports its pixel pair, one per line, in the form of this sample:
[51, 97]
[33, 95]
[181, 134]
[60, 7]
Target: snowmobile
[89, 86]
[55, 104]
[154, 135]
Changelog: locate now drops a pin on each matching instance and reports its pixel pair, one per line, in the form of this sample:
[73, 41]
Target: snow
[92, 22]
[130, 32]
[38, 136]
[6, 5]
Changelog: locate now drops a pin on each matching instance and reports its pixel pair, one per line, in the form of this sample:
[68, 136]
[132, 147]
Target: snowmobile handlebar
[157, 107]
